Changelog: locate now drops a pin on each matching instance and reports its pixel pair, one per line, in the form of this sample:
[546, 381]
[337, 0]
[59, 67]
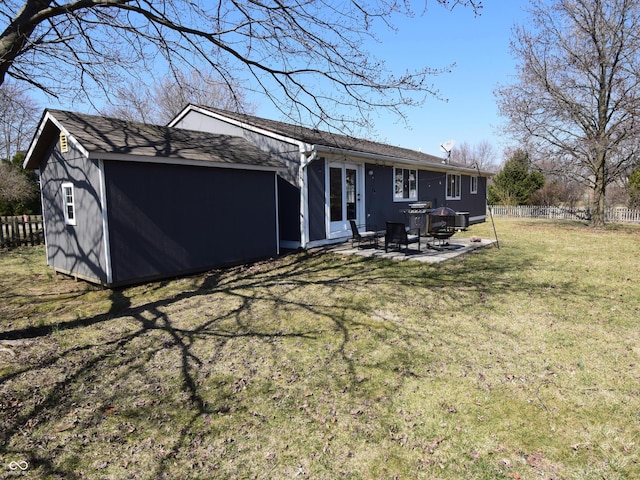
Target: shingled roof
[327, 139]
[110, 138]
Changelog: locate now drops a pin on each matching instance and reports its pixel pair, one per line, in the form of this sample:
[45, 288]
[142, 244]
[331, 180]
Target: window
[474, 185]
[68, 202]
[405, 184]
[453, 187]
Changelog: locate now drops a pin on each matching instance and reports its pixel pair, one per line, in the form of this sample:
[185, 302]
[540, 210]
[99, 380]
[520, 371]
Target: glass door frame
[340, 228]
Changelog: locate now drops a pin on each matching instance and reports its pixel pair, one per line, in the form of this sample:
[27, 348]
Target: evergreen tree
[516, 182]
[633, 189]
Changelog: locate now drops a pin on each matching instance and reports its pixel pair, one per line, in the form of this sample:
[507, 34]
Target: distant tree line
[523, 181]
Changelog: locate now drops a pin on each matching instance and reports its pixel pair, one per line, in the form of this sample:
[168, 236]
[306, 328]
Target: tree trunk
[16, 36]
[599, 190]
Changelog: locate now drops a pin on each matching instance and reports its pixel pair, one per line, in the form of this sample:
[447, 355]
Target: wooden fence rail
[21, 230]
[611, 215]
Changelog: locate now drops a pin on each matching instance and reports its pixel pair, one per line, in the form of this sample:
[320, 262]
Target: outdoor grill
[442, 223]
[418, 214]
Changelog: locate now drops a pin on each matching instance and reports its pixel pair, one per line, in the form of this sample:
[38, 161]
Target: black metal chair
[368, 236]
[397, 234]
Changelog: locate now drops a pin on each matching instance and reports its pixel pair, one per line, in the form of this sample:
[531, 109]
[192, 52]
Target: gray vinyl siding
[288, 212]
[76, 249]
[289, 188]
[166, 220]
[474, 203]
[381, 207]
[286, 151]
[379, 188]
[316, 200]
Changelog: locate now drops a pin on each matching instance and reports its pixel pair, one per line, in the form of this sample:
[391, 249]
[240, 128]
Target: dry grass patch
[520, 362]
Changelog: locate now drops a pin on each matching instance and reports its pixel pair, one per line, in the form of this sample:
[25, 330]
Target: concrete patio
[456, 246]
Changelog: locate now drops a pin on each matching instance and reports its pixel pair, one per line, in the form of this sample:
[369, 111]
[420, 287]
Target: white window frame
[69, 201]
[454, 180]
[410, 198]
[474, 184]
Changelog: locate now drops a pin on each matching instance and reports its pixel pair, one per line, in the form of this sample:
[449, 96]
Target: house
[126, 202]
[331, 179]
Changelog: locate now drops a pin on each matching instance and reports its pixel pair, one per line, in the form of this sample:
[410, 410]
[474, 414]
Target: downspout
[308, 154]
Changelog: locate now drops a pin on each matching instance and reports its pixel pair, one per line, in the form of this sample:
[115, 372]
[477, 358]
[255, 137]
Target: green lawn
[521, 362]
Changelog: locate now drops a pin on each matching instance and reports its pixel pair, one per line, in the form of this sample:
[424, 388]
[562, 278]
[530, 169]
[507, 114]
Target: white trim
[48, 117]
[182, 161]
[458, 183]
[65, 204]
[359, 203]
[105, 223]
[327, 241]
[303, 179]
[408, 199]
[44, 218]
[473, 191]
[277, 219]
[238, 123]
[304, 147]
[390, 161]
[292, 245]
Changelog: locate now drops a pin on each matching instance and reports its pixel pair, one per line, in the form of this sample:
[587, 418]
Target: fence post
[21, 230]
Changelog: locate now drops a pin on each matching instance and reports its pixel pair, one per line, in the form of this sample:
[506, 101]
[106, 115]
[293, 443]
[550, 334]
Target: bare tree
[18, 118]
[13, 185]
[165, 99]
[482, 155]
[577, 92]
[307, 56]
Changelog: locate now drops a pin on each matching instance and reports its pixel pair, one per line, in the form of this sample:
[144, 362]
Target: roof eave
[101, 155]
[29, 162]
[444, 167]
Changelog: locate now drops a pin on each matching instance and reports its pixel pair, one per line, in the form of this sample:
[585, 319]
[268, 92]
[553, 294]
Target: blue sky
[480, 48]
[479, 45]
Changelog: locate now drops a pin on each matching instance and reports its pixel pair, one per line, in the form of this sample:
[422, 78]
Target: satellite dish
[446, 147]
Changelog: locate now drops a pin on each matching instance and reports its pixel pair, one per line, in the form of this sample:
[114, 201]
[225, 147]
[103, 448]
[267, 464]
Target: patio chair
[397, 234]
[368, 236]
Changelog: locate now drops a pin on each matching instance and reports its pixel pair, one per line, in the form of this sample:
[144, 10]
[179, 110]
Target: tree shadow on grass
[161, 365]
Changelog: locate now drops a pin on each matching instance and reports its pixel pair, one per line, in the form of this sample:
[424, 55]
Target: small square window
[68, 204]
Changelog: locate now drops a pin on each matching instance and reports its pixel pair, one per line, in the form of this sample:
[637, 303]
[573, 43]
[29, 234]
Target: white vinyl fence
[612, 215]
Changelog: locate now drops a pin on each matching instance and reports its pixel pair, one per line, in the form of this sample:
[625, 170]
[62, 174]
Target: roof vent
[64, 144]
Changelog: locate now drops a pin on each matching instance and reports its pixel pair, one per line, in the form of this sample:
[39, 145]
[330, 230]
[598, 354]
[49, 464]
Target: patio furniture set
[440, 227]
